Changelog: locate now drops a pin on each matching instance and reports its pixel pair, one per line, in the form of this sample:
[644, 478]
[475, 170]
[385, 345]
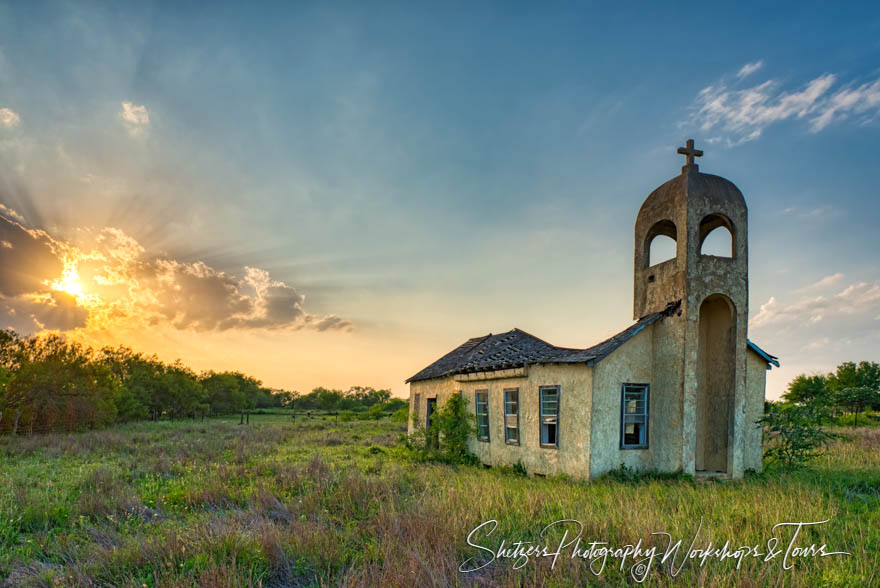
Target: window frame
[478, 414]
[558, 389]
[646, 414]
[507, 414]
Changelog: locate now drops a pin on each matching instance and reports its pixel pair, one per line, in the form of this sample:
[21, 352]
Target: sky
[336, 194]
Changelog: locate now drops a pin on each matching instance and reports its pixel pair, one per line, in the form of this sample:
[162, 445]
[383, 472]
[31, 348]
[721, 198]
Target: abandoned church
[680, 390]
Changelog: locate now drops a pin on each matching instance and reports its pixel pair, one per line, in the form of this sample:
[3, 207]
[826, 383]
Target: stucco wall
[631, 363]
[756, 381]
[439, 388]
[575, 382]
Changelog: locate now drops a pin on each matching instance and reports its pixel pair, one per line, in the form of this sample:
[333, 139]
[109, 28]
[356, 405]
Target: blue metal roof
[770, 359]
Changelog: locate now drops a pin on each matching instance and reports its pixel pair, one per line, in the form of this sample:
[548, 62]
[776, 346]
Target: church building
[680, 390]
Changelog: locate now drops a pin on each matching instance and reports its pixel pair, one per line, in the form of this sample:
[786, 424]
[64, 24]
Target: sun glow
[70, 282]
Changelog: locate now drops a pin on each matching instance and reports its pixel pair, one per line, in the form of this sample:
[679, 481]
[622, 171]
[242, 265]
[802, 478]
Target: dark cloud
[54, 311]
[27, 259]
[331, 322]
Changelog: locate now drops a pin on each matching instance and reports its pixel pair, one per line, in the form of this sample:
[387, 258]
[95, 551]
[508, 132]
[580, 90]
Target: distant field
[317, 502]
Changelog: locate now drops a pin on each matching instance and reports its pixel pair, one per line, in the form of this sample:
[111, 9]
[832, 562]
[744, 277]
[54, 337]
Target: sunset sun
[70, 282]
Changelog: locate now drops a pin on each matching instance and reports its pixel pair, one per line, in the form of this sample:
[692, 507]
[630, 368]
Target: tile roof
[517, 348]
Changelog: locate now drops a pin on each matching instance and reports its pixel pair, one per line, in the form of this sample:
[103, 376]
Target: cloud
[818, 327]
[847, 102]
[9, 118]
[741, 114]
[105, 277]
[857, 303]
[331, 322]
[29, 258]
[750, 68]
[824, 283]
[136, 117]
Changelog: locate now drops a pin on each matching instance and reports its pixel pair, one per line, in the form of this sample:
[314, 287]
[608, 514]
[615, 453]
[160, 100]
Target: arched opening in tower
[716, 236]
[715, 382]
[663, 248]
[661, 242]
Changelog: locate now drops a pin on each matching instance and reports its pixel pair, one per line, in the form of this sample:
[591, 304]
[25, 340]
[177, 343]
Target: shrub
[796, 433]
[448, 436]
[375, 412]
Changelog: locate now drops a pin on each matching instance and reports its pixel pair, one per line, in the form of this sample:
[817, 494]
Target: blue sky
[407, 175]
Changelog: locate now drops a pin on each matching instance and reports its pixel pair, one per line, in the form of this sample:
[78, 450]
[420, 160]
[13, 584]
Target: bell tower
[709, 344]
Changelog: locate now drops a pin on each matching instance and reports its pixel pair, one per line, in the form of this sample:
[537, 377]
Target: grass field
[318, 502]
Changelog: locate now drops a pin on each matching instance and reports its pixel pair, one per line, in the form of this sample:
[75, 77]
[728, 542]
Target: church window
[482, 408]
[549, 416]
[634, 416]
[511, 416]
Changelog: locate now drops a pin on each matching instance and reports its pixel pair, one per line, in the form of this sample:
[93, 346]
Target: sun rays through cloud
[107, 279]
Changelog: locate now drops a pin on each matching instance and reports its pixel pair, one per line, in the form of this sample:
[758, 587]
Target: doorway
[433, 434]
[715, 381]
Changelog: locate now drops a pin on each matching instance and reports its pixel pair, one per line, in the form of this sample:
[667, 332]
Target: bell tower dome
[713, 290]
[687, 209]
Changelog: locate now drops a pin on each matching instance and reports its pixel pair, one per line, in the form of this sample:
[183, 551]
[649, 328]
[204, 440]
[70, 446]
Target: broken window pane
[634, 416]
[511, 416]
[482, 410]
[549, 402]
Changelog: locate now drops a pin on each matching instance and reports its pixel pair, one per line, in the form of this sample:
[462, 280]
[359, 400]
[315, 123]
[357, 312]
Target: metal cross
[690, 152]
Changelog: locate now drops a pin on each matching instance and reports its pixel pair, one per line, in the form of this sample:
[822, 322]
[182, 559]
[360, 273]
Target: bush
[796, 433]
[448, 436]
[347, 416]
[401, 416]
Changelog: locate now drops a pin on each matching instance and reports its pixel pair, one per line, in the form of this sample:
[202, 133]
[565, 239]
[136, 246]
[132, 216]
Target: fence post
[248, 418]
[15, 425]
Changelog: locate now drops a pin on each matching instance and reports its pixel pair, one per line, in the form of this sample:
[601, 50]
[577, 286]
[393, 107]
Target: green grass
[318, 502]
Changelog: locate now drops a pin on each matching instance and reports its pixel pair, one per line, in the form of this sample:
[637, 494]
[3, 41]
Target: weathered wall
[631, 363]
[667, 388]
[439, 388]
[756, 381]
[575, 382]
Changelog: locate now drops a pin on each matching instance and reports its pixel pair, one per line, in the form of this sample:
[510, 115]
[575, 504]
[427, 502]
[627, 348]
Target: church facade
[680, 390]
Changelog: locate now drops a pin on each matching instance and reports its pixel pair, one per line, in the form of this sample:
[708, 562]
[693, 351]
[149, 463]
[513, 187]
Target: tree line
[852, 388]
[50, 383]
[796, 425]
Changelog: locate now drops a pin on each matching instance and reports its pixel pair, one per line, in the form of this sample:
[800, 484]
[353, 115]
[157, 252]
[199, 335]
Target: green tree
[185, 394]
[856, 399]
[848, 383]
[223, 392]
[367, 397]
[58, 384]
[806, 389]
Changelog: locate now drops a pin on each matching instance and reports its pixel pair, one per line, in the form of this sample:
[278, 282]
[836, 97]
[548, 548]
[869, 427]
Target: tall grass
[318, 503]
